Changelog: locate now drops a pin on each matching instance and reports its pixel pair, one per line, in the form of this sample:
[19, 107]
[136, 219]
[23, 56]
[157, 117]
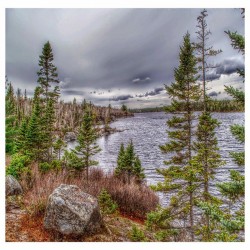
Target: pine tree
[11, 128]
[228, 223]
[58, 146]
[129, 164]
[47, 125]
[180, 175]
[48, 72]
[86, 139]
[21, 140]
[47, 75]
[234, 190]
[208, 157]
[35, 142]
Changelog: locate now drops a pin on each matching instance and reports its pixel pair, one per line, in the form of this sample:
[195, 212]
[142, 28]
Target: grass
[133, 200]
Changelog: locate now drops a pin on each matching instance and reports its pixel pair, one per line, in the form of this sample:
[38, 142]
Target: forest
[38, 161]
[213, 106]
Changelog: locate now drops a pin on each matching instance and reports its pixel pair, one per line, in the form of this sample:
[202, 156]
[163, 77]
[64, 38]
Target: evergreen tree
[11, 127]
[129, 164]
[228, 224]
[35, 142]
[58, 146]
[87, 142]
[47, 73]
[47, 125]
[21, 140]
[208, 157]
[124, 108]
[181, 175]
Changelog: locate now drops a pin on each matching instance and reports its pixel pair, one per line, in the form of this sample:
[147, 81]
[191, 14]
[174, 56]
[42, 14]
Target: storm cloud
[127, 50]
[213, 93]
[226, 67]
[156, 91]
[122, 98]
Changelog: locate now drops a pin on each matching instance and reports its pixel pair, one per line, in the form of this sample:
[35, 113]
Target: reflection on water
[148, 131]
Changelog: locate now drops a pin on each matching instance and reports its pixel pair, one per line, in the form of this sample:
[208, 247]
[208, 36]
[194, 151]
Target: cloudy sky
[116, 55]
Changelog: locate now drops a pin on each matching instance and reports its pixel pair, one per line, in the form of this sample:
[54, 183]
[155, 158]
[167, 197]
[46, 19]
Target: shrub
[18, 165]
[136, 200]
[107, 205]
[56, 165]
[71, 161]
[44, 167]
[137, 235]
[166, 235]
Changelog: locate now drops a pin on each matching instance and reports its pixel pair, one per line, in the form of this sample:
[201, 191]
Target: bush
[18, 165]
[133, 200]
[72, 161]
[166, 235]
[137, 235]
[44, 167]
[107, 205]
[56, 165]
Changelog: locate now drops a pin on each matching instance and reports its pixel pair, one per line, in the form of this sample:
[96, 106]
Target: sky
[117, 56]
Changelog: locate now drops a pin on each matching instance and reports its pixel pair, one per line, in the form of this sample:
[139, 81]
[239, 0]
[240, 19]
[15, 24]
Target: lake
[148, 131]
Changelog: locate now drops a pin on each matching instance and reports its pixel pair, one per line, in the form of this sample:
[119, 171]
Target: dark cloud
[213, 93]
[230, 66]
[226, 67]
[128, 49]
[73, 92]
[156, 91]
[122, 98]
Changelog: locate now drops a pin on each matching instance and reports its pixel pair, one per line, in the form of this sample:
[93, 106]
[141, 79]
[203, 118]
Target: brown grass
[133, 200]
[7, 160]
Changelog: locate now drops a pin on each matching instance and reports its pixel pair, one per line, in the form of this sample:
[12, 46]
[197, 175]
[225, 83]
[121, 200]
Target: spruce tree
[11, 127]
[47, 73]
[228, 224]
[180, 174]
[35, 142]
[21, 140]
[208, 158]
[129, 164]
[234, 190]
[58, 147]
[86, 139]
[48, 123]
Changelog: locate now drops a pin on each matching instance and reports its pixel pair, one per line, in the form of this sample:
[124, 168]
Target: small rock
[12, 186]
[70, 136]
[70, 211]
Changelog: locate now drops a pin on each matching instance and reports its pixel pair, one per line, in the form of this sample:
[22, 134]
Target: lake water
[148, 131]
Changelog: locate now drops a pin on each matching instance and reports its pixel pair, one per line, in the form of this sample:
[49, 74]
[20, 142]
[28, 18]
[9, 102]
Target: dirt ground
[21, 227]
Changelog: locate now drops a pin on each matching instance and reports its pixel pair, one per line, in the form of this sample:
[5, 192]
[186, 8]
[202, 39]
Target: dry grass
[132, 199]
[7, 160]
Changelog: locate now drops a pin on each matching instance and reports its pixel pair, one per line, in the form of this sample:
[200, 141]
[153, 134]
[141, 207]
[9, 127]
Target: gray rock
[70, 136]
[12, 186]
[70, 211]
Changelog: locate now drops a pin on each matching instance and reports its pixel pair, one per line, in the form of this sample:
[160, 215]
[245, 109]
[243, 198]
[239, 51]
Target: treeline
[68, 115]
[212, 106]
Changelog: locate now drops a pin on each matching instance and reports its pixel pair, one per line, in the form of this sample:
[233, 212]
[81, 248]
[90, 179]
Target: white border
[115, 4]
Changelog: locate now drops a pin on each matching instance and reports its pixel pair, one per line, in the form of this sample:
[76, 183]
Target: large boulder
[70, 136]
[70, 211]
[12, 186]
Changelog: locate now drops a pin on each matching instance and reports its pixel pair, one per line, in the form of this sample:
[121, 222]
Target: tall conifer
[86, 139]
[208, 157]
[180, 175]
[47, 73]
